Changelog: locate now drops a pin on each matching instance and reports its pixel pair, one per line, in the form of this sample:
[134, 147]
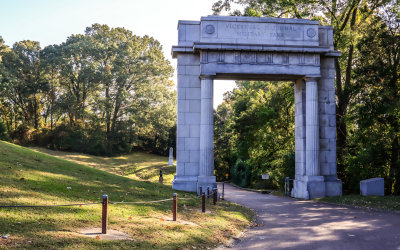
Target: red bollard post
[208, 192]
[174, 206]
[201, 191]
[214, 196]
[104, 215]
[203, 202]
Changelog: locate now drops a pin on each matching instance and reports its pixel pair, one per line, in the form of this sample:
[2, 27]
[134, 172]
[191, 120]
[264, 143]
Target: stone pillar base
[206, 181]
[333, 187]
[309, 187]
[184, 183]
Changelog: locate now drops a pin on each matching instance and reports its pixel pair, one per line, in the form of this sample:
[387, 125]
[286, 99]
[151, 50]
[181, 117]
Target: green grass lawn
[33, 178]
[379, 202]
[138, 165]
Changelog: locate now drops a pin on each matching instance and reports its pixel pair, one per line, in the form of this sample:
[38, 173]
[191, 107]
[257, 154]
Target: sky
[52, 21]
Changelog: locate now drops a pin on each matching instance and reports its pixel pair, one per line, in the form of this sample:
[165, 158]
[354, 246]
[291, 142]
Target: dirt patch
[182, 222]
[111, 234]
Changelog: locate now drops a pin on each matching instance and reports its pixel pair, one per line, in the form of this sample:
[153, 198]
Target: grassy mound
[33, 178]
[138, 165]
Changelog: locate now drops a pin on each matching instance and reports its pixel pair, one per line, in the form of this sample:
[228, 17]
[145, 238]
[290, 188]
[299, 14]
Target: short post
[214, 196]
[223, 190]
[201, 191]
[208, 192]
[104, 215]
[161, 178]
[287, 188]
[203, 202]
[174, 206]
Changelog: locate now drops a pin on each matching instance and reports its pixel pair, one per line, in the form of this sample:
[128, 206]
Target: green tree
[77, 76]
[224, 138]
[374, 148]
[50, 63]
[255, 132]
[23, 83]
[135, 92]
[102, 92]
[3, 48]
[6, 112]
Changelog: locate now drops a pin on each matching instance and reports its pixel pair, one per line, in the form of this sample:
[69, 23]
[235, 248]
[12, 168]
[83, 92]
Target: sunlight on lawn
[137, 165]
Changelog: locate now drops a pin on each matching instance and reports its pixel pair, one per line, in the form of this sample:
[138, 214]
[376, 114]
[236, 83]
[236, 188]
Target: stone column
[206, 128]
[206, 174]
[312, 128]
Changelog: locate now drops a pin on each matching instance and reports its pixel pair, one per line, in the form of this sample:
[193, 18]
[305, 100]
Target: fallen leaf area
[30, 177]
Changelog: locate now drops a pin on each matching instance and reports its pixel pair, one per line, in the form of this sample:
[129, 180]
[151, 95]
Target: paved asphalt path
[297, 224]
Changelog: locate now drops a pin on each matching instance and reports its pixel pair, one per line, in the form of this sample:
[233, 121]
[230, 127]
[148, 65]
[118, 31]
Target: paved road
[296, 224]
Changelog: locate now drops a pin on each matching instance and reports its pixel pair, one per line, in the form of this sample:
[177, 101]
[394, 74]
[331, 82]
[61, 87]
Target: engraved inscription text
[265, 31]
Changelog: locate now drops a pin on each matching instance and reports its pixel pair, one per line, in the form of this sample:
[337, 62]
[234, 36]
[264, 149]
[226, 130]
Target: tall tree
[78, 78]
[50, 63]
[23, 81]
[6, 114]
[377, 114]
[134, 80]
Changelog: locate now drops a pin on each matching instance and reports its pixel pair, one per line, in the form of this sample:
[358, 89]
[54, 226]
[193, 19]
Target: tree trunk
[36, 113]
[108, 113]
[52, 97]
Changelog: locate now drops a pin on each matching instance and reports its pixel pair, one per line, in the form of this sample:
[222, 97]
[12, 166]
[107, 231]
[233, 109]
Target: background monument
[251, 48]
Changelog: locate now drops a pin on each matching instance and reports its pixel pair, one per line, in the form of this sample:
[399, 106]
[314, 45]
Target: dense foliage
[367, 94]
[102, 92]
[254, 133]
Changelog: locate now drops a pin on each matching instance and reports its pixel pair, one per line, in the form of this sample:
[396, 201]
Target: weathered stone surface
[253, 48]
[333, 188]
[192, 93]
[194, 130]
[374, 186]
[182, 156]
[192, 118]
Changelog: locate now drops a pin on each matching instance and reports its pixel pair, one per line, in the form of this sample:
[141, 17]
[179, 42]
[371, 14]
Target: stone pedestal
[333, 186]
[206, 181]
[309, 187]
[185, 183]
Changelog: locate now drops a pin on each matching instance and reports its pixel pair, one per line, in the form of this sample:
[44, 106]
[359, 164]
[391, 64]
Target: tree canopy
[103, 92]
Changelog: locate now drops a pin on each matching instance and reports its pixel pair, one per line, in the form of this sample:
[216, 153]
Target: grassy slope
[138, 165]
[45, 181]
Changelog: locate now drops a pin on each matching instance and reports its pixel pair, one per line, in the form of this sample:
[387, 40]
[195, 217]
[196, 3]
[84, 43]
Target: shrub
[23, 134]
[241, 173]
[3, 132]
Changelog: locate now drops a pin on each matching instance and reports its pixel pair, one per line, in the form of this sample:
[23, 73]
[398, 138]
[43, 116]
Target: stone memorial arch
[251, 48]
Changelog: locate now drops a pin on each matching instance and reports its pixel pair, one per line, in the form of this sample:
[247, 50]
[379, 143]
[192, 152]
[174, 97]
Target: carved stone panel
[259, 58]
